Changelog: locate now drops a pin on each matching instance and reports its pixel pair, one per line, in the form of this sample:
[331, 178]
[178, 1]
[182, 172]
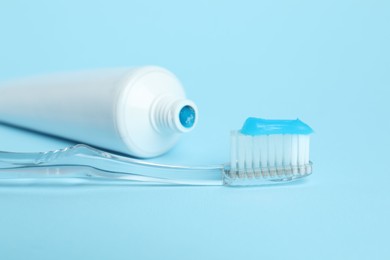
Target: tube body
[136, 111]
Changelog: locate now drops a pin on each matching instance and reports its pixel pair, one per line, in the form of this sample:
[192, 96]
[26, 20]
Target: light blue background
[326, 62]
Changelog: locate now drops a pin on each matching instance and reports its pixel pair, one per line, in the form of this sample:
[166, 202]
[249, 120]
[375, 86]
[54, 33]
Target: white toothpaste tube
[139, 111]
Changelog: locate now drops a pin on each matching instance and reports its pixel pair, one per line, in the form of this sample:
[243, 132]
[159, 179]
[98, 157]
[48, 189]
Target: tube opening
[187, 116]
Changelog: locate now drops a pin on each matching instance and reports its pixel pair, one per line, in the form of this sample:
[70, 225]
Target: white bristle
[271, 150]
[256, 152]
[306, 158]
[278, 140]
[253, 155]
[294, 150]
[248, 155]
[301, 150]
[263, 146]
[241, 152]
[233, 150]
[287, 148]
[307, 161]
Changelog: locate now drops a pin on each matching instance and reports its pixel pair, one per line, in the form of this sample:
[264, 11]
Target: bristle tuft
[277, 156]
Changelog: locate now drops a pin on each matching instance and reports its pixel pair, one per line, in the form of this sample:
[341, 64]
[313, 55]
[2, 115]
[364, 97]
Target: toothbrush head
[267, 151]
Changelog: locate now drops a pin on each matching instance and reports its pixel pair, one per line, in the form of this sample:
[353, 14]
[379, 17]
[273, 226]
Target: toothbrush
[262, 152]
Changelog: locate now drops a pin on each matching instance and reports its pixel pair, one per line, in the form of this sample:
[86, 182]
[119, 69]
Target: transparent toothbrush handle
[87, 163]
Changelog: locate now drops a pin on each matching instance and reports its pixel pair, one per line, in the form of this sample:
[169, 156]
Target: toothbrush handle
[77, 174]
[84, 162]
